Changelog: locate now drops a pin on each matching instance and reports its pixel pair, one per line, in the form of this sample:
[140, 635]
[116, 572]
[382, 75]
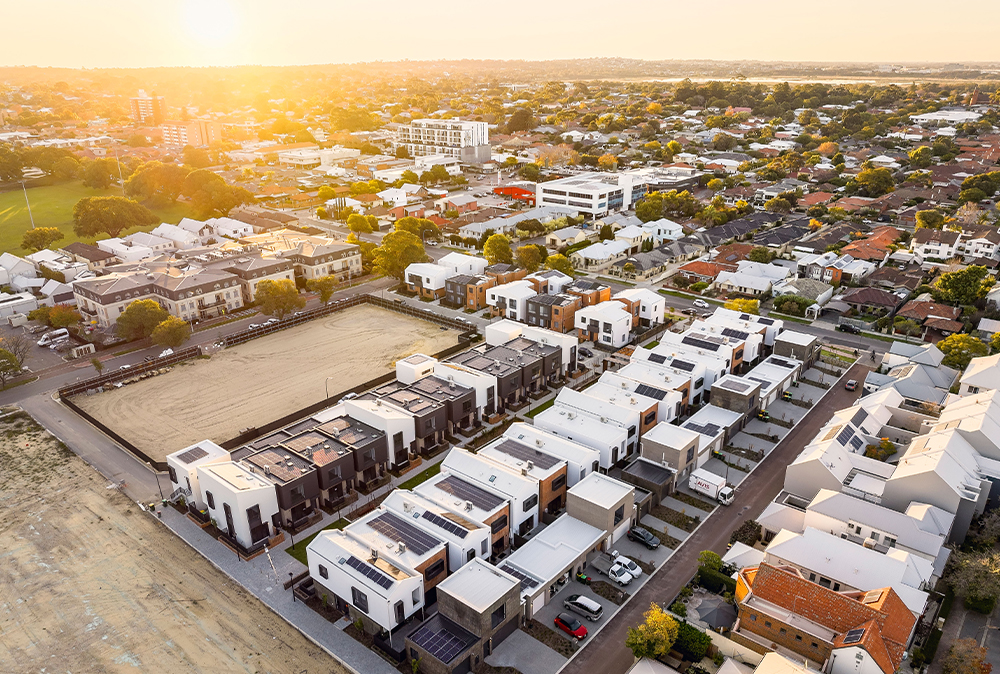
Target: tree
[674, 147]
[398, 251]
[607, 162]
[521, 120]
[422, 228]
[40, 238]
[559, 262]
[63, 316]
[716, 185]
[965, 286]
[778, 205]
[278, 298]
[9, 367]
[654, 108]
[710, 560]
[211, 196]
[907, 327]
[324, 286]
[995, 342]
[359, 224]
[650, 208]
[530, 172]
[761, 254]
[922, 157]
[497, 250]
[196, 157]
[966, 656]
[98, 365]
[929, 219]
[326, 193]
[98, 173]
[109, 215]
[653, 637]
[874, 182]
[18, 344]
[606, 233]
[171, 332]
[41, 314]
[139, 319]
[157, 181]
[959, 349]
[530, 258]
[828, 149]
[10, 164]
[322, 213]
[744, 306]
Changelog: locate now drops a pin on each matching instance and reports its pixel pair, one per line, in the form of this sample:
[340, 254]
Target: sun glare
[211, 22]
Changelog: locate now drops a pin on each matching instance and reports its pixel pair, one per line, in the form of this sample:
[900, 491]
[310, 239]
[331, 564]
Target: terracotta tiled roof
[707, 269]
[920, 310]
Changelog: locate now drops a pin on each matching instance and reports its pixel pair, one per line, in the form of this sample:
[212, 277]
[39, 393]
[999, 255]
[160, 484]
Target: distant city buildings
[195, 132]
[468, 141]
[148, 110]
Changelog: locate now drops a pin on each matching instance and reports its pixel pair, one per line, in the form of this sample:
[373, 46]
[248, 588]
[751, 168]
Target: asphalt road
[606, 652]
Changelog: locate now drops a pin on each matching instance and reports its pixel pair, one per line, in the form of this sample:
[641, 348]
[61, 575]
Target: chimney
[267, 470]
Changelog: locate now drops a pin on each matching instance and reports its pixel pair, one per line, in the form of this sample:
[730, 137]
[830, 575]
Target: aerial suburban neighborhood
[505, 367]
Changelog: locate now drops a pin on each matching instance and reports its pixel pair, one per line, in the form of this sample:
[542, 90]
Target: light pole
[28, 204]
[327, 382]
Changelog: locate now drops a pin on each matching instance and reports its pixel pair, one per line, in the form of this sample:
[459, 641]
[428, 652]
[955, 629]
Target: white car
[701, 303]
[166, 352]
[253, 326]
[632, 567]
[271, 321]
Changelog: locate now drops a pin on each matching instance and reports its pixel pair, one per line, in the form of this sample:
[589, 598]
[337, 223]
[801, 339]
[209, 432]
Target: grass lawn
[52, 206]
[299, 552]
[541, 408]
[652, 344]
[621, 282]
[786, 317]
[422, 477]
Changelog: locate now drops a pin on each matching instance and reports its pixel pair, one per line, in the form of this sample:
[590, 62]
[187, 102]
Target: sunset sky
[139, 33]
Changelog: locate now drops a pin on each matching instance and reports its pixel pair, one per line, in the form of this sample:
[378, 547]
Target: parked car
[690, 312]
[125, 367]
[584, 606]
[570, 626]
[253, 326]
[851, 385]
[166, 352]
[271, 321]
[847, 327]
[701, 303]
[348, 396]
[632, 567]
[55, 335]
[640, 535]
[586, 353]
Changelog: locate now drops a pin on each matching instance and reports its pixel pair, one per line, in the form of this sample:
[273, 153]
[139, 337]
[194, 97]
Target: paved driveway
[526, 654]
[548, 612]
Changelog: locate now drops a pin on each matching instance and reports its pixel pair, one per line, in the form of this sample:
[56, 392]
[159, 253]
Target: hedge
[692, 642]
[713, 581]
[930, 648]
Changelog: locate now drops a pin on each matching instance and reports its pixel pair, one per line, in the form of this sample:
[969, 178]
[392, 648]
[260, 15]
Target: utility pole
[28, 204]
[121, 178]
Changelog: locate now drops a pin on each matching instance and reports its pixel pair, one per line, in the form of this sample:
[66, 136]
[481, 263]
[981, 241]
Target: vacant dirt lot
[92, 584]
[262, 380]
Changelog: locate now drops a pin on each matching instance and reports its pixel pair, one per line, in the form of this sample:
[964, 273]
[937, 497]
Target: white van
[49, 337]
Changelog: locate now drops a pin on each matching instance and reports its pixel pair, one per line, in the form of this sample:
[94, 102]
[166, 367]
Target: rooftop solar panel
[650, 392]
[781, 362]
[736, 334]
[394, 527]
[859, 418]
[857, 442]
[526, 581]
[854, 636]
[700, 343]
[192, 454]
[657, 358]
[845, 435]
[370, 572]
[467, 491]
[766, 321]
[526, 453]
[682, 365]
[734, 385]
[710, 430]
[442, 523]
[439, 642]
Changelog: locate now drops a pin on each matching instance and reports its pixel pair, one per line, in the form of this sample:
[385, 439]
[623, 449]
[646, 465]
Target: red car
[570, 626]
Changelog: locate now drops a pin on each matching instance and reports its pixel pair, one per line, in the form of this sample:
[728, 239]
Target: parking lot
[39, 357]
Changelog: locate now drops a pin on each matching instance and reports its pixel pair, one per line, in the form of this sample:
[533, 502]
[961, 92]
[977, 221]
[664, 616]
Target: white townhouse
[242, 504]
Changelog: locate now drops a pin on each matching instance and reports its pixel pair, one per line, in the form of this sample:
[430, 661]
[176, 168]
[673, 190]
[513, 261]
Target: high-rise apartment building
[468, 141]
[148, 110]
[195, 132]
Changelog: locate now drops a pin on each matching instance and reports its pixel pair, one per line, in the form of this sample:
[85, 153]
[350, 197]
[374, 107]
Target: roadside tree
[172, 332]
[559, 262]
[959, 349]
[324, 287]
[654, 636]
[278, 298]
[139, 319]
[398, 251]
[497, 250]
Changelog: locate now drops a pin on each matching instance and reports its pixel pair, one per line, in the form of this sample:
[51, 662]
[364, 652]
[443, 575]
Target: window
[767, 623]
[359, 599]
[620, 513]
[434, 570]
[889, 542]
[874, 537]
[649, 418]
[781, 630]
[498, 616]
[812, 577]
[753, 618]
[430, 424]
[298, 493]
[400, 613]
[335, 473]
[559, 482]
[470, 555]
[738, 355]
[814, 645]
[798, 637]
[173, 474]
[631, 431]
[416, 596]
[499, 524]
[690, 456]
[484, 546]
[530, 502]
[210, 499]
[700, 382]
[836, 587]
[323, 573]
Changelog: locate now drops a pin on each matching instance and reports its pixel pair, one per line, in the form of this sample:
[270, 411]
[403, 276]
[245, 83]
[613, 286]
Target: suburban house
[604, 503]
[936, 320]
[182, 466]
[295, 481]
[482, 504]
[427, 279]
[510, 299]
[580, 459]
[521, 490]
[589, 292]
[467, 291]
[552, 312]
[566, 236]
[676, 447]
[937, 244]
[607, 324]
[981, 375]
[871, 301]
[646, 306]
[242, 503]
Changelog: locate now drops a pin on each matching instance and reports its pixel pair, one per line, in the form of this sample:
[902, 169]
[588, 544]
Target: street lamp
[327, 382]
[291, 574]
[28, 204]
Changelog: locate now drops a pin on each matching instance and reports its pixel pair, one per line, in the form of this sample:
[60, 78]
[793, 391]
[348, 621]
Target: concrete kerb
[693, 532]
[252, 594]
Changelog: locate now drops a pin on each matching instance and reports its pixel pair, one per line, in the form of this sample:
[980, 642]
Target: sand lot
[262, 380]
[90, 583]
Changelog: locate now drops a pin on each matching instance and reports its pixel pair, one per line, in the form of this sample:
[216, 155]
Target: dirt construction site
[91, 583]
[262, 380]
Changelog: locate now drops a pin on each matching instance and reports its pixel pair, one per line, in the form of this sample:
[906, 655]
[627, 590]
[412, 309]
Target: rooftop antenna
[28, 204]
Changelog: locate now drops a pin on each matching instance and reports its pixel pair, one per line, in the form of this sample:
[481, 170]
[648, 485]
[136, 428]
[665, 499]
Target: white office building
[468, 141]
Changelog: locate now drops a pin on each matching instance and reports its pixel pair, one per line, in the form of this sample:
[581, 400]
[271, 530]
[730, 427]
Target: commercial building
[595, 194]
[147, 110]
[467, 141]
[195, 132]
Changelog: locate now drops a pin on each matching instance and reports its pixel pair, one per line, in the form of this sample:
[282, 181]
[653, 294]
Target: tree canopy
[109, 215]
[965, 286]
[278, 298]
[211, 196]
[171, 332]
[156, 181]
[398, 251]
[744, 306]
[324, 287]
[654, 636]
[497, 249]
[959, 349]
[559, 262]
[139, 319]
[39, 238]
[529, 257]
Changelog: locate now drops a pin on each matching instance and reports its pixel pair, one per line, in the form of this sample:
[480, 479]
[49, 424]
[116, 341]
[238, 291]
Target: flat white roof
[553, 444]
[670, 435]
[553, 549]
[237, 476]
[583, 426]
[711, 417]
[797, 338]
[201, 452]
[601, 489]
[478, 584]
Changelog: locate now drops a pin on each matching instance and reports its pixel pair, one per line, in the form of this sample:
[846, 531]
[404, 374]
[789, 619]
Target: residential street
[606, 652]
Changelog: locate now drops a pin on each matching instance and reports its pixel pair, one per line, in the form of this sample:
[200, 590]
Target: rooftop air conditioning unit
[870, 543]
[374, 555]
[531, 464]
[267, 470]
[524, 471]
[402, 546]
[468, 505]
[538, 441]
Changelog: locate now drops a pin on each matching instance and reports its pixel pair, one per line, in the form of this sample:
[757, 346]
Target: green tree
[322, 213]
[959, 349]
[41, 314]
[171, 332]
[422, 228]
[995, 342]
[710, 560]
[39, 238]
[716, 185]
[922, 157]
[139, 319]
[409, 177]
[156, 180]
[778, 205]
[530, 172]
[761, 254]
[326, 193]
[744, 306]
[907, 327]
[654, 636]
[606, 233]
[965, 286]
[529, 258]
[324, 287]
[109, 215]
[137, 140]
[66, 168]
[497, 249]
[211, 196]
[196, 157]
[278, 298]
[9, 367]
[559, 262]
[98, 365]
[99, 173]
[398, 251]
[63, 316]
[929, 219]
[874, 182]
[359, 224]
[10, 164]
[650, 208]
[521, 120]
[674, 147]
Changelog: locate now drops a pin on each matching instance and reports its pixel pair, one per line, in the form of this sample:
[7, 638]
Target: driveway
[606, 652]
[526, 654]
[548, 612]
